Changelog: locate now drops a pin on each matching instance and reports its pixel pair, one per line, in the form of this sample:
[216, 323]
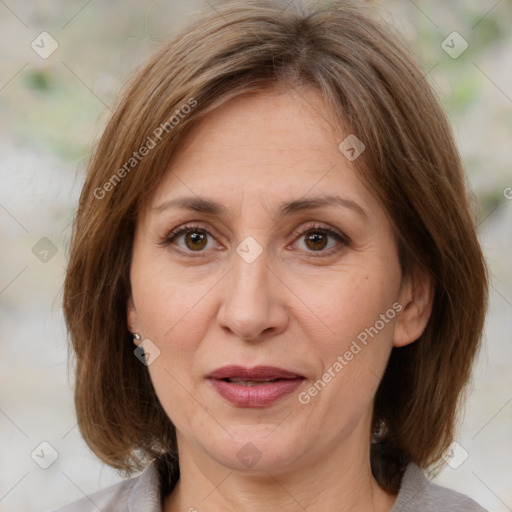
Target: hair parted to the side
[410, 162]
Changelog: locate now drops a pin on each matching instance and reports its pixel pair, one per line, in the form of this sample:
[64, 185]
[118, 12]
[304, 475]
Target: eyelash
[190, 228]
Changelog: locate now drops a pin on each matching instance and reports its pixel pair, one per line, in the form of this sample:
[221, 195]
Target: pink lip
[254, 396]
[256, 373]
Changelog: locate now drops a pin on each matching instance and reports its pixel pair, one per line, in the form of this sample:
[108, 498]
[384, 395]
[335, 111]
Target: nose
[252, 307]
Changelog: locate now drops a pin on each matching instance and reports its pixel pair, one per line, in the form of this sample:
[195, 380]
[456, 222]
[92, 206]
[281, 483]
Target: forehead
[271, 147]
[269, 125]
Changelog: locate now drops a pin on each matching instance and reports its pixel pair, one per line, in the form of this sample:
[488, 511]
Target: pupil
[196, 237]
[315, 238]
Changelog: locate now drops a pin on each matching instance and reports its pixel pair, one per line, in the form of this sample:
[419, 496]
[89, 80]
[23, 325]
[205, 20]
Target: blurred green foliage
[38, 79]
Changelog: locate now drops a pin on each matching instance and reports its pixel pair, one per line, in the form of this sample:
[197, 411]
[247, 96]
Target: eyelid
[325, 228]
[183, 229]
[343, 239]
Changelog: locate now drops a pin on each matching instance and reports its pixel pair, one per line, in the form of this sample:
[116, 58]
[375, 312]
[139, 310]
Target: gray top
[143, 494]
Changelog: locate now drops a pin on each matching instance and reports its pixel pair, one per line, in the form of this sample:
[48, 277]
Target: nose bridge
[249, 282]
[250, 269]
[248, 303]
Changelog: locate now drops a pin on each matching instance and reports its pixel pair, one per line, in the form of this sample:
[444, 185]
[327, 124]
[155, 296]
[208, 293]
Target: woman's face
[312, 289]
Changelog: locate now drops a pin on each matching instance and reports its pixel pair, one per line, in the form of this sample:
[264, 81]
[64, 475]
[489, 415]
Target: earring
[136, 336]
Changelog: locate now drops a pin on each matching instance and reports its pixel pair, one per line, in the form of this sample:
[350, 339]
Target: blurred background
[62, 66]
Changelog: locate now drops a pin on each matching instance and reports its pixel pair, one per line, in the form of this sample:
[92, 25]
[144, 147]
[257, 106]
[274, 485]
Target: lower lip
[261, 395]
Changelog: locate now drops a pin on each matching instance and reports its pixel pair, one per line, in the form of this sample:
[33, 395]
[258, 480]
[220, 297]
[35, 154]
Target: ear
[132, 319]
[416, 297]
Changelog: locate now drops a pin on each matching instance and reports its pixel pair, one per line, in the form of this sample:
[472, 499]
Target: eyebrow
[208, 206]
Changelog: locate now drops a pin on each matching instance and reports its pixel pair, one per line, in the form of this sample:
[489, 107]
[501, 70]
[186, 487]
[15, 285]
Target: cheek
[357, 307]
[171, 305]
[174, 312]
[175, 392]
[350, 301]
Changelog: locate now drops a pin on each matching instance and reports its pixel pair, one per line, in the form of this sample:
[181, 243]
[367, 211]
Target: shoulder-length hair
[410, 163]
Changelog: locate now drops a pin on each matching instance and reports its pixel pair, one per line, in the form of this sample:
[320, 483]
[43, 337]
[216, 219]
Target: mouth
[256, 374]
[254, 387]
[243, 382]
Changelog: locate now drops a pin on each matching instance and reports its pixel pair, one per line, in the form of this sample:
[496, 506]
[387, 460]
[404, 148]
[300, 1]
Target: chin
[255, 449]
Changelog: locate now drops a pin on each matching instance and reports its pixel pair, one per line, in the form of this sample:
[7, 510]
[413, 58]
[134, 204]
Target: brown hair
[411, 164]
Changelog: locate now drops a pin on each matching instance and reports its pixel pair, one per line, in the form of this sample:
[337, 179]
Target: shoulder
[141, 494]
[418, 494]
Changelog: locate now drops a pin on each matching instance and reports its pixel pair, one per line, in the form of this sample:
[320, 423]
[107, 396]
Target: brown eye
[316, 241]
[195, 240]
[192, 238]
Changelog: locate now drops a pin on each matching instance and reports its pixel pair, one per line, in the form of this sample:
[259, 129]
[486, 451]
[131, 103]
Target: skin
[204, 307]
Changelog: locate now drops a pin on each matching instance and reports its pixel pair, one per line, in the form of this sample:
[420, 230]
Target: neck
[340, 480]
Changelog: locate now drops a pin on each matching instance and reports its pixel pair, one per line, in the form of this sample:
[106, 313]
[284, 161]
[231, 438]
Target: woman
[275, 290]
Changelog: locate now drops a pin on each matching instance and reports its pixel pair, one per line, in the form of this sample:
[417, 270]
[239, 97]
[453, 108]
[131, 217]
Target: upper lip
[255, 373]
